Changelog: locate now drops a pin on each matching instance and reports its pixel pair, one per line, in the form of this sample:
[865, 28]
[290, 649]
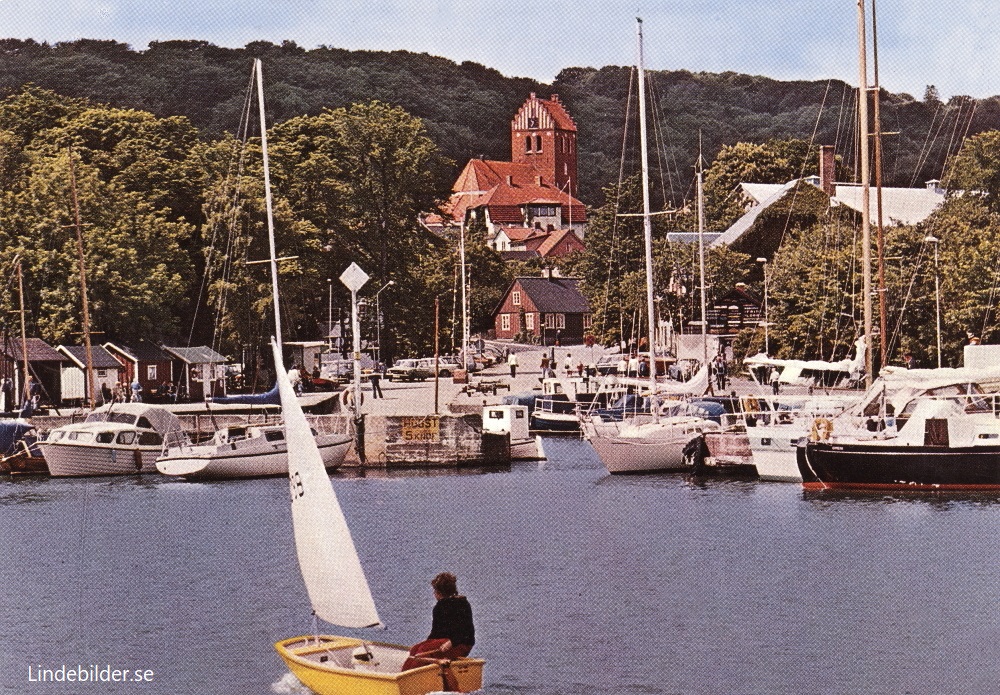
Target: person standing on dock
[453, 633]
[512, 363]
[376, 378]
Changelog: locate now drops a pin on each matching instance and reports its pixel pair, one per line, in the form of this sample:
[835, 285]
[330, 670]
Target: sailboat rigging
[654, 441]
[248, 450]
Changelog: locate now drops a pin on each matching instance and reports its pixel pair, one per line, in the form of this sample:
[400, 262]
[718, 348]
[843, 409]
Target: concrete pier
[439, 423]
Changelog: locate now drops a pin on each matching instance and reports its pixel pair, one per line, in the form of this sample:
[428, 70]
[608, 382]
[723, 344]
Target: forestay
[330, 566]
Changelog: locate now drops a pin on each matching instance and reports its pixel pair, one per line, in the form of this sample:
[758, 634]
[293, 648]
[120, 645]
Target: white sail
[330, 566]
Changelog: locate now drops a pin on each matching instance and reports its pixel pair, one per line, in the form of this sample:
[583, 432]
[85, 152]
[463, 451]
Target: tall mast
[701, 267]
[866, 231]
[879, 232]
[24, 335]
[258, 68]
[83, 285]
[646, 226]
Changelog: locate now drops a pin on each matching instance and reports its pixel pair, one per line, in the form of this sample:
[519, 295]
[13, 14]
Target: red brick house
[544, 309]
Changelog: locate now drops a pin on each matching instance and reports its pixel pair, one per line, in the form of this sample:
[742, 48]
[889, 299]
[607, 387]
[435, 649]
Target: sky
[948, 44]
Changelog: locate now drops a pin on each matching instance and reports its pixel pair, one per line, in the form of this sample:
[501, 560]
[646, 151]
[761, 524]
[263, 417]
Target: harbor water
[581, 583]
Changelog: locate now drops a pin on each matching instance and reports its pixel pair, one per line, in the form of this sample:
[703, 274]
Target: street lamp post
[329, 314]
[378, 323]
[767, 347]
[931, 239]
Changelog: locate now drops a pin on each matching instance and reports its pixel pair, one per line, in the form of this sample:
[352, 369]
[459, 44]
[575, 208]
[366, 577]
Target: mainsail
[330, 566]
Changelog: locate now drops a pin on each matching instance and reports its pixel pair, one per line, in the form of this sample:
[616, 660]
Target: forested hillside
[467, 107]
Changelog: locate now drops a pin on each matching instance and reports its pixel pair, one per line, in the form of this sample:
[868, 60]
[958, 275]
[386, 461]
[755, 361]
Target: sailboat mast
[646, 225]
[268, 202]
[879, 231]
[24, 335]
[866, 230]
[83, 285]
[701, 267]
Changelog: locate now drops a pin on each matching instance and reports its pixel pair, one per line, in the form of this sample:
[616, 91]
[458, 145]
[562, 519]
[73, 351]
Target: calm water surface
[582, 583]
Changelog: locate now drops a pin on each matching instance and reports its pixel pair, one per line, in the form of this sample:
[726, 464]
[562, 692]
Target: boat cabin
[506, 419]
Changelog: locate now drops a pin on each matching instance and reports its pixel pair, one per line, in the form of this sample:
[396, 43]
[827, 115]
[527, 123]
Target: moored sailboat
[653, 442]
[249, 451]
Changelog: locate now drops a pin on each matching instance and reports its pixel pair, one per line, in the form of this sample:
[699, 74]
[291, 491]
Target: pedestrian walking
[376, 378]
[512, 363]
[774, 381]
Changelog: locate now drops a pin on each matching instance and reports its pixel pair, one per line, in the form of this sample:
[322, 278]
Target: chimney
[827, 170]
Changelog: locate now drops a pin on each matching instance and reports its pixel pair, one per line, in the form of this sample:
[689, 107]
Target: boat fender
[750, 404]
[347, 398]
[821, 430]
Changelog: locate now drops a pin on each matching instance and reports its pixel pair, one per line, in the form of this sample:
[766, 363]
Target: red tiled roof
[523, 233]
[485, 183]
[551, 106]
[559, 113]
[553, 239]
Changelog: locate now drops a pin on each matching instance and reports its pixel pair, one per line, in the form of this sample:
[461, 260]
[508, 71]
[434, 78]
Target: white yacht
[243, 451]
[116, 439]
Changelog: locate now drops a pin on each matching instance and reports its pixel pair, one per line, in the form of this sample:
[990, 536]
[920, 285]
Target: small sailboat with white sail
[339, 591]
[654, 441]
[248, 450]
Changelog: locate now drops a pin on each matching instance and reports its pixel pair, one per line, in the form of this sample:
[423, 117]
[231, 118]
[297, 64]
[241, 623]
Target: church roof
[550, 114]
[504, 187]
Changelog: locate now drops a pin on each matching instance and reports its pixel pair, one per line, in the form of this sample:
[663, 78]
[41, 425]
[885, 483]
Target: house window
[527, 144]
[151, 372]
[560, 320]
[538, 143]
[504, 322]
[529, 322]
[102, 373]
[515, 297]
[532, 121]
[555, 320]
[542, 211]
[588, 321]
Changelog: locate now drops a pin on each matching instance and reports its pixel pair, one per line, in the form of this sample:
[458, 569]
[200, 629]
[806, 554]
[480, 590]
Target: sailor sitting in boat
[452, 631]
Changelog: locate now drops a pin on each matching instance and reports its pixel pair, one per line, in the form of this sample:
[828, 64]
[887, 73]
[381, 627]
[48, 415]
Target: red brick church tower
[543, 135]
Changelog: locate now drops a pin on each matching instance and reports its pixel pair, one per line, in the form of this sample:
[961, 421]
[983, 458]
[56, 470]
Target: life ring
[821, 430]
[347, 398]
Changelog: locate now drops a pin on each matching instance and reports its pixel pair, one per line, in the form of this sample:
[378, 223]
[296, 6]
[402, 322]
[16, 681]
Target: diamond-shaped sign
[354, 278]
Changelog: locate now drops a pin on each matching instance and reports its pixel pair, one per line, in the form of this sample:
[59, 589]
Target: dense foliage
[171, 200]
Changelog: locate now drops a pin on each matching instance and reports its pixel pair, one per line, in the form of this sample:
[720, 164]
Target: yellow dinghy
[346, 666]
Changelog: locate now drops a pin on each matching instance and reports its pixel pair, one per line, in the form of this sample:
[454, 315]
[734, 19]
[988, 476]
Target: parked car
[409, 370]
[446, 365]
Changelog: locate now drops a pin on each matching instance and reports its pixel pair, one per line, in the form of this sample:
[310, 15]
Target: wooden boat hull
[833, 466]
[326, 665]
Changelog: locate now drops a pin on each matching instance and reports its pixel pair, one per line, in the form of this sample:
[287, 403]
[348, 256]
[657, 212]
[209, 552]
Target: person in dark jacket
[452, 631]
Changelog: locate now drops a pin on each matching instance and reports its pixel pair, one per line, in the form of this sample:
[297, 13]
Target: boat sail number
[295, 486]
